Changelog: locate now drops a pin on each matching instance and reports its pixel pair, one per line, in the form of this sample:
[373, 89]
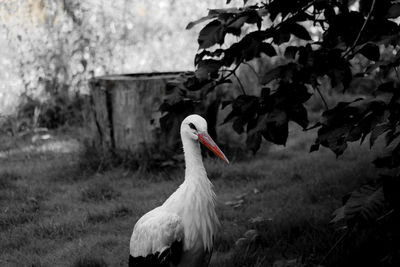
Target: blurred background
[56, 46]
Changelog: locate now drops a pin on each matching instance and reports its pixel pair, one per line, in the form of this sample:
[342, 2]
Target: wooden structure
[125, 111]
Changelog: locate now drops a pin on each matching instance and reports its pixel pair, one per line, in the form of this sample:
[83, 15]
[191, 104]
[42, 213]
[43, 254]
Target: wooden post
[125, 111]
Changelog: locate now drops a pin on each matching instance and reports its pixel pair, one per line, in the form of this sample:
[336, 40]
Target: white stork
[181, 231]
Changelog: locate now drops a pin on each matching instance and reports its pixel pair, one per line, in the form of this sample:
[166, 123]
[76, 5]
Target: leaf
[253, 141]
[299, 31]
[225, 103]
[213, 13]
[252, 46]
[238, 125]
[235, 26]
[279, 72]
[205, 53]
[370, 51]
[291, 51]
[338, 215]
[276, 134]
[394, 11]
[193, 23]
[334, 138]
[265, 92]
[391, 188]
[175, 110]
[343, 29]
[348, 122]
[281, 36]
[329, 13]
[314, 147]
[365, 204]
[213, 33]
[271, 75]
[225, 11]
[390, 159]
[245, 103]
[340, 74]
[244, 109]
[230, 116]
[377, 131]
[298, 114]
[391, 136]
[295, 93]
[193, 83]
[367, 123]
[207, 69]
[276, 128]
[331, 116]
[253, 17]
[249, 47]
[387, 87]
[267, 49]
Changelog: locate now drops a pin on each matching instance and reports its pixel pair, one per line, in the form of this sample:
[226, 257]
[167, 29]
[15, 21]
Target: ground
[57, 212]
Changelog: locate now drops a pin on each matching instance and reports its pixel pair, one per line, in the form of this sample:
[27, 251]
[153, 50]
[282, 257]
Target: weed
[93, 159]
[13, 242]
[66, 231]
[14, 193]
[14, 219]
[89, 261]
[105, 217]
[7, 180]
[99, 192]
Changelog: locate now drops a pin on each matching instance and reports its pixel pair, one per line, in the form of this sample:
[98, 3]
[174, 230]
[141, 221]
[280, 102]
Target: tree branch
[223, 78]
[304, 8]
[322, 97]
[240, 83]
[361, 30]
[333, 247]
[385, 215]
[231, 72]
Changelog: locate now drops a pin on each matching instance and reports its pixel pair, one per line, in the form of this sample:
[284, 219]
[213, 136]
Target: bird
[181, 231]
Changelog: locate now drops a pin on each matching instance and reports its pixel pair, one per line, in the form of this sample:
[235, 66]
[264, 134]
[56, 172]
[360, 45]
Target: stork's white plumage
[181, 231]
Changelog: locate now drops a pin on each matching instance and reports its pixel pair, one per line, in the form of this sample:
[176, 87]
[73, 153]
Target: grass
[99, 192]
[54, 213]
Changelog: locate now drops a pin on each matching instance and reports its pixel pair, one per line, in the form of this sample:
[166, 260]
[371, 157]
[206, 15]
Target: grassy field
[55, 212]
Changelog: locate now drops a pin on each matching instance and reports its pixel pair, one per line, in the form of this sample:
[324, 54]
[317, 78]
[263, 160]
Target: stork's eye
[191, 125]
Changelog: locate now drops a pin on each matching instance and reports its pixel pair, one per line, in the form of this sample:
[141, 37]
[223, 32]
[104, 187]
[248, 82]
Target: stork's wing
[156, 239]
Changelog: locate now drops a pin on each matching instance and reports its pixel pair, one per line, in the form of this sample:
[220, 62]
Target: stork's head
[195, 127]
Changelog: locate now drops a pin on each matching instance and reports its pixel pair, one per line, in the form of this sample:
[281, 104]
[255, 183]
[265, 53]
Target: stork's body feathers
[181, 231]
[156, 231]
[160, 235]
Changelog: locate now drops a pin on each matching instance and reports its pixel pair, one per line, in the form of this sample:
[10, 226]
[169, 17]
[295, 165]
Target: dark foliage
[348, 35]
[52, 113]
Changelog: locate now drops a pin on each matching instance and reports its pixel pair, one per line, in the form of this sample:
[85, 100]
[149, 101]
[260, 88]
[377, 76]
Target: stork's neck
[194, 201]
[194, 170]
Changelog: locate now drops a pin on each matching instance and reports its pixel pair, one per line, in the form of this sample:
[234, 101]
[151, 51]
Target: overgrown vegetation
[53, 212]
[346, 46]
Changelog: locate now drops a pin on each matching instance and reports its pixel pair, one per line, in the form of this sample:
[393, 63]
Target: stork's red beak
[206, 140]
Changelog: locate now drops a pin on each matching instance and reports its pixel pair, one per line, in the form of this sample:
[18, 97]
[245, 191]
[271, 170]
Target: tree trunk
[125, 110]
